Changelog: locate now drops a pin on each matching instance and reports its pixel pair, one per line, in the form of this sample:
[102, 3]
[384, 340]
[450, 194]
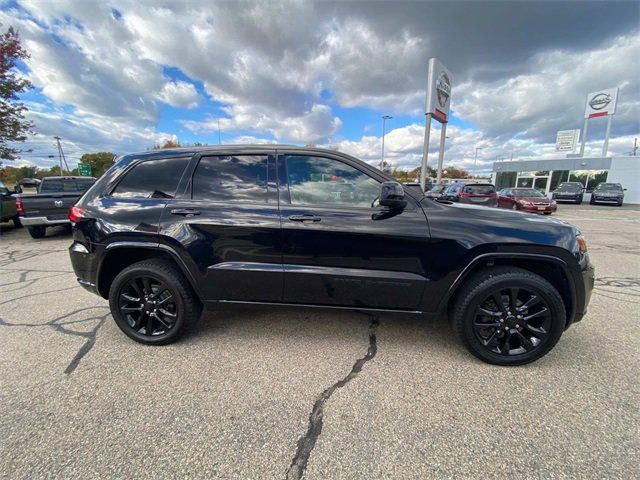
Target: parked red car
[526, 199]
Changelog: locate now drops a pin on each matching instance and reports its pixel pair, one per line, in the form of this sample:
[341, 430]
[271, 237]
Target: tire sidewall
[554, 303]
[114, 294]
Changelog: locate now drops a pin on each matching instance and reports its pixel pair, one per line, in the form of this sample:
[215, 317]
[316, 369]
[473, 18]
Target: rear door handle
[187, 212]
[304, 218]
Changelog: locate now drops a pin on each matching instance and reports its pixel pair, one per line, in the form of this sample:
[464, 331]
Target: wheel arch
[120, 255]
[553, 269]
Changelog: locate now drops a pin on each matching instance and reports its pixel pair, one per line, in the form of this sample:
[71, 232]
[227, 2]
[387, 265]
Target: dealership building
[546, 175]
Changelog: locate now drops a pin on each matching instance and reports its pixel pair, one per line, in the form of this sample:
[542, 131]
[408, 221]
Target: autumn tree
[13, 125]
[99, 162]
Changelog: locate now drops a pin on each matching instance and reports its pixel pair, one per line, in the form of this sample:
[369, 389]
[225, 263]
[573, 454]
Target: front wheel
[153, 303]
[514, 206]
[37, 231]
[508, 316]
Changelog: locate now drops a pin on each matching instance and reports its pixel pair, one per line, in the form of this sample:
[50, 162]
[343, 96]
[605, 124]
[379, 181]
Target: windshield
[570, 186]
[528, 192]
[609, 186]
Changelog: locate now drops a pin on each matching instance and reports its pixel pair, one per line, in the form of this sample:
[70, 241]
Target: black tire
[619, 204]
[16, 222]
[186, 306]
[479, 288]
[37, 232]
[592, 202]
[579, 201]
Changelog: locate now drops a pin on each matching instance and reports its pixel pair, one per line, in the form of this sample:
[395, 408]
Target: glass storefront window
[558, 177]
[526, 182]
[596, 177]
[505, 180]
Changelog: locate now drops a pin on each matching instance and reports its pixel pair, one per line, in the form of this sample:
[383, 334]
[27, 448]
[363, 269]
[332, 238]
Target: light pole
[475, 163]
[384, 121]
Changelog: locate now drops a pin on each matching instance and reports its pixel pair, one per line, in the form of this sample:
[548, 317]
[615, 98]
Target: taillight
[493, 195]
[463, 194]
[19, 206]
[76, 213]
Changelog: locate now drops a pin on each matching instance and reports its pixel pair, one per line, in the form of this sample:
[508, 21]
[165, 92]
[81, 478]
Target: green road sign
[84, 169]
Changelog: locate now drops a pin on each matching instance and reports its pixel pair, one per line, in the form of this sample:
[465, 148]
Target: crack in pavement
[59, 326]
[307, 442]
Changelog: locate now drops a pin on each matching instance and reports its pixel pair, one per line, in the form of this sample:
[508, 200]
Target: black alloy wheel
[148, 306]
[508, 315]
[512, 321]
[153, 303]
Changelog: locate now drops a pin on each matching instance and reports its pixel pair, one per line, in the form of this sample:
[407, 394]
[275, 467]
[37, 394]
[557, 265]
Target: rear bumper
[42, 221]
[83, 263]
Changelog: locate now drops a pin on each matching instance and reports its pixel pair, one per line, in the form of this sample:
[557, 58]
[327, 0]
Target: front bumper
[566, 198]
[615, 200]
[42, 221]
[588, 279]
[539, 208]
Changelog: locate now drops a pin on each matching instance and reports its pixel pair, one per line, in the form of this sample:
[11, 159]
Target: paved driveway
[259, 393]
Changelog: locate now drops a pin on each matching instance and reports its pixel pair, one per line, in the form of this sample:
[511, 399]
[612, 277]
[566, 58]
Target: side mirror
[392, 196]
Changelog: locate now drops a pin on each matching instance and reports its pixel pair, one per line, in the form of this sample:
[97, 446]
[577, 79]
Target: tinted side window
[152, 179]
[238, 178]
[319, 180]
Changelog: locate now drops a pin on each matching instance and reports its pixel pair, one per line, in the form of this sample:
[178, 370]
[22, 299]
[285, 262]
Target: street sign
[567, 140]
[84, 169]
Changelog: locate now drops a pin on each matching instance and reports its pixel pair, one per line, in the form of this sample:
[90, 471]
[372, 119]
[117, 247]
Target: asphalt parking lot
[292, 393]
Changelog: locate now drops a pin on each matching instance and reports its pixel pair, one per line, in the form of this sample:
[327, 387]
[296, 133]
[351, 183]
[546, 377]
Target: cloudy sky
[125, 75]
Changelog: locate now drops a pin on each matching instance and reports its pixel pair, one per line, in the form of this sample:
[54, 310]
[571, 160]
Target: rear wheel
[152, 302]
[514, 206]
[37, 231]
[508, 316]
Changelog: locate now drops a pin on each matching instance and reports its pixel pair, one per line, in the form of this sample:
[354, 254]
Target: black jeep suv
[163, 234]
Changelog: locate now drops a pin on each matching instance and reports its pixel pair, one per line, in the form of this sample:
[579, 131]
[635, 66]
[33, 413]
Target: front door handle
[187, 212]
[304, 218]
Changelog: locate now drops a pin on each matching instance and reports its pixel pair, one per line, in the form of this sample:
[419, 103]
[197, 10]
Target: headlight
[582, 243]
[525, 203]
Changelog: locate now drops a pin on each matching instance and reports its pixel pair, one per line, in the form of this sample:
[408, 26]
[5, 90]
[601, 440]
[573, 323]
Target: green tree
[13, 125]
[99, 162]
[454, 172]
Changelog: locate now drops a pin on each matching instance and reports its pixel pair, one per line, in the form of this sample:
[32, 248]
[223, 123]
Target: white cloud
[179, 94]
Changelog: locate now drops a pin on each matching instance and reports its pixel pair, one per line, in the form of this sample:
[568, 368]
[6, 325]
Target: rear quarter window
[157, 178]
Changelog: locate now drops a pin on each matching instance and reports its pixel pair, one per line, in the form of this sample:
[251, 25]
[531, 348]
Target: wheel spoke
[490, 313]
[537, 331]
[513, 299]
[491, 339]
[147, 285]
[129, 298]
[543, 312]
[505, 346]
[167, 313]
[534, 300]
[157, 317]
[497, 297]
[134, 284]
[165, 300]
[526, 343]
[486, 325]
[149, 327]
[131, 309]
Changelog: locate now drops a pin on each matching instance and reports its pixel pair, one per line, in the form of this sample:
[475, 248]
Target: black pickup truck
[50, 206]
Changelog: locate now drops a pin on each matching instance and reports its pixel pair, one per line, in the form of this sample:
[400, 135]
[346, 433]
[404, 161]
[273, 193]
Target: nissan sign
[438, 91]
[601, 104]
